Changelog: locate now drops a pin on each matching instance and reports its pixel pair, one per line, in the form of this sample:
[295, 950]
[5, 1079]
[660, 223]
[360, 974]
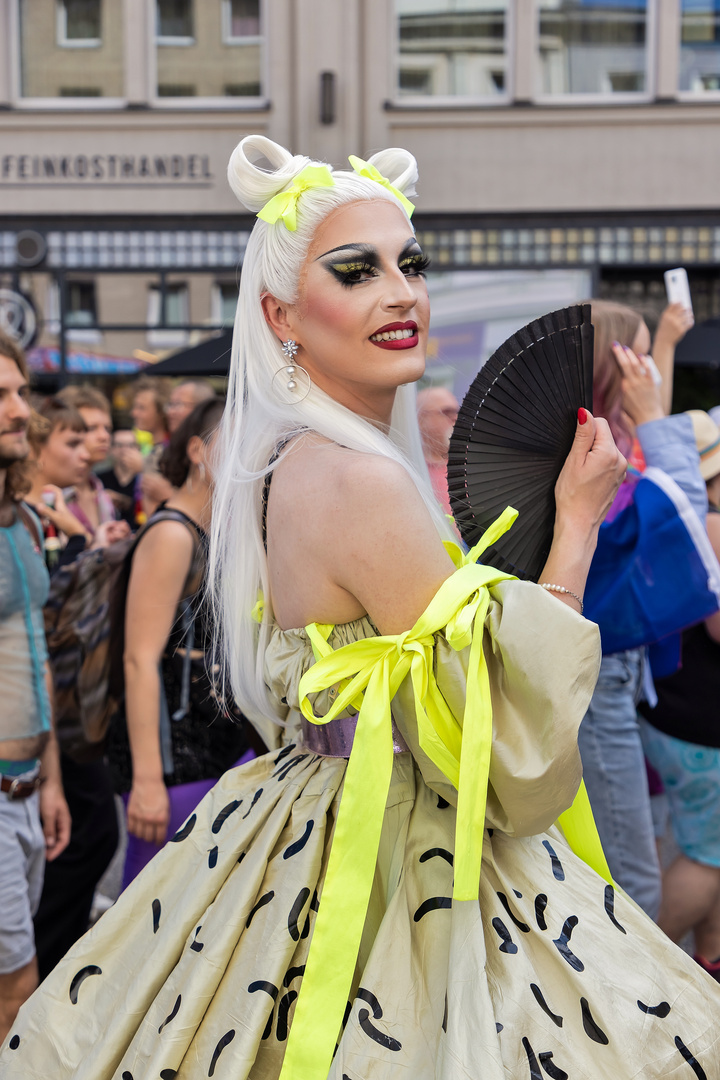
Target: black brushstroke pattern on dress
[435, 903]
[79, 979]
[592, 1028]
[260, 904]
[561, 944]
[538, 995]
[171, 1015]
[293, 849]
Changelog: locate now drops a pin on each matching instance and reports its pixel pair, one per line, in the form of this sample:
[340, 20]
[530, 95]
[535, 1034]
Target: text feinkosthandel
[156, 169]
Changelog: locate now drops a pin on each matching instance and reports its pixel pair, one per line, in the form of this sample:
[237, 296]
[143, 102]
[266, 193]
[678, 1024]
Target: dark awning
[211, 357]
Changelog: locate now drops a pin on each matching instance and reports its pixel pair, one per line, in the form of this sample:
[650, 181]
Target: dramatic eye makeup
[417, 263]
[358, 262]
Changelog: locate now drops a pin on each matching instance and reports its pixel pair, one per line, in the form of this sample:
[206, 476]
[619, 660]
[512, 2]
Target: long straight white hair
[256, 420]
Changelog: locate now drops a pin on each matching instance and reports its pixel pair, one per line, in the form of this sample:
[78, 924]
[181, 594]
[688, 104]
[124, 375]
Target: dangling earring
[296, 379]
[201, 470]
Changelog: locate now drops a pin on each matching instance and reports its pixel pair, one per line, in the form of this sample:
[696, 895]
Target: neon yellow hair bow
[364, 168]
[284, 204]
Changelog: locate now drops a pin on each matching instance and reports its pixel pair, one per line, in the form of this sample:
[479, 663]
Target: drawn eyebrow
[366, 249]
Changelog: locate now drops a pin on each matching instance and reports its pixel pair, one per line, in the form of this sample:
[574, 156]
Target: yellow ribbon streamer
[580, 830]
[368, 674]
[364, 168]
[284, 204]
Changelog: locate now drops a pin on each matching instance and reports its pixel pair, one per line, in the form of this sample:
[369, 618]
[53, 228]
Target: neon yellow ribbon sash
[284, 204]
[364, 168]
[368, 673]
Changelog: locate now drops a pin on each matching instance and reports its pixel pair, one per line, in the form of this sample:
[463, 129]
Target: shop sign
[105, 170]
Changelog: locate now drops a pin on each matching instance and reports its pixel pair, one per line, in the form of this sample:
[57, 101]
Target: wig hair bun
[259, 168]
[399, 167]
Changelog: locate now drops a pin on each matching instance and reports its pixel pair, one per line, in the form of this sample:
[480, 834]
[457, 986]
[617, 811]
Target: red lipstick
[404, 336]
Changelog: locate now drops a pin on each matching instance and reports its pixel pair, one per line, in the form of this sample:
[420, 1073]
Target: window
[241, 20]
[176, 90]
[81, 308]
[224, 302]
[176, 315]
[175, 21]
[593, 46]
[700, 46]
[452, 48]
[51, 32]
[212, 48]
[80, 91]
[79, 23]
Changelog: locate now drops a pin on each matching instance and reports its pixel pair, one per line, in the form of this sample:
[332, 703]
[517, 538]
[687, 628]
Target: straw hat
[707, 440]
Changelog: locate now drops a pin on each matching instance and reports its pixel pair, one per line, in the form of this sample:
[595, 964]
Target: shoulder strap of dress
[279, 447]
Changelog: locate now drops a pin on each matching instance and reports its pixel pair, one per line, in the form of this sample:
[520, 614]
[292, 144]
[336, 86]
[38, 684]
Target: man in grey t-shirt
[34, 817]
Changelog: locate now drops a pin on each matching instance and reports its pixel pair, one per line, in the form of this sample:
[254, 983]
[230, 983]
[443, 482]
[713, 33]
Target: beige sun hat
[707, 440]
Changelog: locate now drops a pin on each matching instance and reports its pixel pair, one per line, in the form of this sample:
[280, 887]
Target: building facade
[571, 145]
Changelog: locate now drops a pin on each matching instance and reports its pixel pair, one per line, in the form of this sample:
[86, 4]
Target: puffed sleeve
[543, 660]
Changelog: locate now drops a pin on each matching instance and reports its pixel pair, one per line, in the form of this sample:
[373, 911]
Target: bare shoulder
[166, 546]
[319, 481]
[361, 530]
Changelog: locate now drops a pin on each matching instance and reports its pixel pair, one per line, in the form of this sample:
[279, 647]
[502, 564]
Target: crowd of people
[80, 483]
[236, 621]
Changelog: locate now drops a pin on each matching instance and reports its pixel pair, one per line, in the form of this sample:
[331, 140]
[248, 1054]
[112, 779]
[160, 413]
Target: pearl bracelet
[567, 592]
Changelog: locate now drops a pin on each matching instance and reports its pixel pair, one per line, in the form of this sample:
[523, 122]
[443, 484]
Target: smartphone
[677, 287]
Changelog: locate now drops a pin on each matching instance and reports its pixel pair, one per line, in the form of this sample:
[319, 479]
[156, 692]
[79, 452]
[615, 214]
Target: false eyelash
[344, 271]
[419, 263]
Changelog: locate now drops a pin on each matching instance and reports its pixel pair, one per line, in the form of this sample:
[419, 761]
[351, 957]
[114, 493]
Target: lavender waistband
[335, 739]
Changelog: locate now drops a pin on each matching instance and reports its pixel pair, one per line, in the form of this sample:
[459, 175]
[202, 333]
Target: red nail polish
[582, 416]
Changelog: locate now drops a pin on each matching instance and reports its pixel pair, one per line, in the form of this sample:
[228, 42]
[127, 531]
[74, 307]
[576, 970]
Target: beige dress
[195, 972]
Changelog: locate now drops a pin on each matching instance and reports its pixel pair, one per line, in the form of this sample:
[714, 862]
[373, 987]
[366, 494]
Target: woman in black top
[179, 740]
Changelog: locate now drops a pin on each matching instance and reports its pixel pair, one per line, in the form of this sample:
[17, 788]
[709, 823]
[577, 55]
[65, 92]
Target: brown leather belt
[19, 789]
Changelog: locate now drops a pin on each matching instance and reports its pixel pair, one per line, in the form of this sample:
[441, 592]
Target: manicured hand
[590, 477]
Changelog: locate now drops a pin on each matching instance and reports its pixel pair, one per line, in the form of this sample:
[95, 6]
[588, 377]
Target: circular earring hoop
[291, 384]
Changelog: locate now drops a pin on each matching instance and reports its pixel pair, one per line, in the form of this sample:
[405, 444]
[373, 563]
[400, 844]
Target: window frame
[227, 37]
[627, 97]
[166, 337]
[216, 301]
[61, 38]
[174, 40]
[144, 18]
[20, 101]
[693, 96]
[450, 101]
[225, 102]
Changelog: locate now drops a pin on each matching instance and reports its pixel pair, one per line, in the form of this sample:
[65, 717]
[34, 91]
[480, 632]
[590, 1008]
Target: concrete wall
[663, 154]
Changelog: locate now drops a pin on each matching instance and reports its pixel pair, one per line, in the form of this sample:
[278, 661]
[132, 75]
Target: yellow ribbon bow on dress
[364, 168]
[368, 673]
[284, 204]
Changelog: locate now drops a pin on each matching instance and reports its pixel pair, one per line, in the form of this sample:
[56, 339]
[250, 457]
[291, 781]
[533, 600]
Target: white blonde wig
[256, 420]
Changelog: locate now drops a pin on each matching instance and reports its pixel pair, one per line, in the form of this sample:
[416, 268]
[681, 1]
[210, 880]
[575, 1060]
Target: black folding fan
[513, 433]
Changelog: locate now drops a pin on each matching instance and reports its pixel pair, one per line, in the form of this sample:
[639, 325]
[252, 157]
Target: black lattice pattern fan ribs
[513, 433]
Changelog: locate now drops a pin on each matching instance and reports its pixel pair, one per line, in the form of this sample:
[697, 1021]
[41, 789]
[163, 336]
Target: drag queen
[386, 893]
